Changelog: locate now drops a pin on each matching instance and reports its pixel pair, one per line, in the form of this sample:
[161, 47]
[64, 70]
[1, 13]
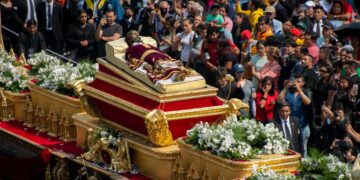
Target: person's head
[263, 23]
[273, 54]
[327, 30]
[129, 12]
[224, 10]
[239, 18]
[164, 8]
[310, 38]
[325, 71]
[270, 12]
[309, 8]
[307, 61]
[324, 54]
[213, 34]
[337, 7]
[350, 67]
[287, 26]
[355, 42]
[188, 25]
[294, 34]
[220, 76]
[246, 35]
[339, 113]
[260, 47]
[345, 83]
[201, 30]
[255, 4]
[301, 11]
[110, 17]
[239, 71]
[284, 110]
[82, 16]
[132, 37]
[318, 12]
[214, 9]
[345, 55]
[290, 46]
[268, 84]
[298, 80]
[150, 4]
[198, 20]
[31, 27]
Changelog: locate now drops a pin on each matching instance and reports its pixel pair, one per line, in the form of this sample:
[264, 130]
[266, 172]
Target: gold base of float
[203, 164]
[152, 161]
[18, 99]
[53, 111]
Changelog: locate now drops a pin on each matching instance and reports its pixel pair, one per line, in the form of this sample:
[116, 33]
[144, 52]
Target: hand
[102, 21]
[297, 86]
[212, 24]
[272, 102]
[91, 21]
[334, 144]
[253, 95]
[84, 43]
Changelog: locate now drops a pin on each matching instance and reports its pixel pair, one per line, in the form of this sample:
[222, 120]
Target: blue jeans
[305, 134]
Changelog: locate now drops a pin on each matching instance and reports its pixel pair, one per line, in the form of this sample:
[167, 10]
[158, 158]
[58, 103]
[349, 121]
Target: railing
[47, 50]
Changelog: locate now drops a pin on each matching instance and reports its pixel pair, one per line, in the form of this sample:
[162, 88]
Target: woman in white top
[184, 41]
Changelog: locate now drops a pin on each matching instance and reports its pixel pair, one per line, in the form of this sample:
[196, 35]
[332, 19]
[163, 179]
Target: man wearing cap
[279, 9]
[328, 36]
[275, 24]
[309, 12]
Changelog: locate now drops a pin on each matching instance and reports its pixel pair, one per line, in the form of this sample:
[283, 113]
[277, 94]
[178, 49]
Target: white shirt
[186, 43]
[285, 123]
[47, 15]
[28, 16]
[321, 28]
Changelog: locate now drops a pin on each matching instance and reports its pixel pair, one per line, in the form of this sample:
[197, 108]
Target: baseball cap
[270, 9]
[327, 25]
[310, 4]
[246, 34]
[296, 32]
[238, 68]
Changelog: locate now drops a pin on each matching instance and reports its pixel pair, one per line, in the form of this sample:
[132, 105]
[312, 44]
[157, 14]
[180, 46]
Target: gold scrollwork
[78, 86]
[234, 106]
[158, 128]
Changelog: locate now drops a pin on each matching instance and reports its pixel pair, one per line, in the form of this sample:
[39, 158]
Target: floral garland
[265, 173]
[53, 75]
[12, 78]
[238, 140]
[329, 167]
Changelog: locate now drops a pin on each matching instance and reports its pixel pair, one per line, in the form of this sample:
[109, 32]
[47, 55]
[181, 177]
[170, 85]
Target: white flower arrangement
[53, 75]
[12, 78]
[265, 173]
[325, 167]
[238, 139]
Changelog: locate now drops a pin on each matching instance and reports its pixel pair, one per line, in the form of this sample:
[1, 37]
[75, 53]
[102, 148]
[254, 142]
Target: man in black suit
[50, 19]
[319, 20]
[27, 9]
[128, 22]
[289, 126]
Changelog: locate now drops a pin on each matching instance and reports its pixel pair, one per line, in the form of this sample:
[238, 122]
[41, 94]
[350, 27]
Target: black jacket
[57, 19]
[296, 140]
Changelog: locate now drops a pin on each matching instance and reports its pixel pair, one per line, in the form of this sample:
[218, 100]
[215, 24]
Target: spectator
[198, 57]
[264, 29]
[80, 38]
[185, 40]
[254, 12]
[50, 23]
[227, 89]
[211, 54]
[96, 10]
[300, 103]
[258, 61]
[309, 73]
[214, 19]
[228, 23]
[27, 9]
[289, 126]
[243, 86]
[271, 68]
[158, 19]
[319, 21]
[31, 41]
[266, 97]
[288, 62]
[146, 27]
[11, 20]
[128, 22]
[309, 43]
[277, 7]
[328, 38]
[241, 23]
[338, 14]
[276, 25]
[107, 30]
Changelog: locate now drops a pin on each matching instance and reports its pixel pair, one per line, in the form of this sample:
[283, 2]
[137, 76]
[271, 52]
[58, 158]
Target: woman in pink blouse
[271, 68]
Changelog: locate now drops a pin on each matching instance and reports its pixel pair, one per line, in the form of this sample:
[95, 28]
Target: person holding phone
[266, 97]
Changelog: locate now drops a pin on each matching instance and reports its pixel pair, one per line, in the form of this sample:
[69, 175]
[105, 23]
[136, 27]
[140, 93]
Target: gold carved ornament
[234, 106]
[78, 86]
[158, 128]
[98, 147]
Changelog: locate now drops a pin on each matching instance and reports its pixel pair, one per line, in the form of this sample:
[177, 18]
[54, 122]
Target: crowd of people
[287, 61]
